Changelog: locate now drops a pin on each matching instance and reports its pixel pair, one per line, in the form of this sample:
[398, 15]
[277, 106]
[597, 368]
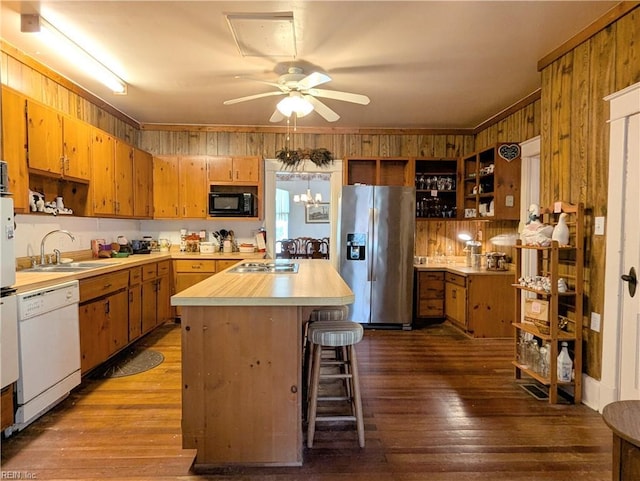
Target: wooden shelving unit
[490, 186]
[555, 262]
[436, 182]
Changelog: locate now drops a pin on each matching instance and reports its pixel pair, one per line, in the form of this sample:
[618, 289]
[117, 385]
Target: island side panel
[241, 385]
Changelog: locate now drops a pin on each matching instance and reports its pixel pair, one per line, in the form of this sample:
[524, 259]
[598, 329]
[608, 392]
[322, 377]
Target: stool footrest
[334, 398]
[335, 418]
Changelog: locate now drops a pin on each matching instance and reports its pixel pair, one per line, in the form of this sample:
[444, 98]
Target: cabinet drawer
[431, 308]
[431, 276]
[149, 271]
[431, 289]
[195, 265]
[456, 279]
[164, 267]
[135, 275]
[102, 285]
[223, 264]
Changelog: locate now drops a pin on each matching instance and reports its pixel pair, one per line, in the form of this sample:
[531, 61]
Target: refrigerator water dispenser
[356, 246]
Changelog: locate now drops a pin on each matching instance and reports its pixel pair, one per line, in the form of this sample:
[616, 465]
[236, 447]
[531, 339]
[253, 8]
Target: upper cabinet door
[165, 187]
[143, 183]
[14, 139]
[193, 186]
[220, 169]
[123, 176]
[77, 149]
[44, 134]
[102, 145]
[246, 169]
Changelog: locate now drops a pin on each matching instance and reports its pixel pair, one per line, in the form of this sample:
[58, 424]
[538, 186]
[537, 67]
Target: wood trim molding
[281, 129]
[33, 64]
[603, 22]
[529, 99]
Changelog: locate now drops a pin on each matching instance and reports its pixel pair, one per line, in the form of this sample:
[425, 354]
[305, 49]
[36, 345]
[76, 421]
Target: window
[282, 214]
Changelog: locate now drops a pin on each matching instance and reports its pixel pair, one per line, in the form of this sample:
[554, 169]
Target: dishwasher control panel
[41, 301]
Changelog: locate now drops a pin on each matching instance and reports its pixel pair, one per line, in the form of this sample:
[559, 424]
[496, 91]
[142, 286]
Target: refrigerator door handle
[369, 241]
[373, 229]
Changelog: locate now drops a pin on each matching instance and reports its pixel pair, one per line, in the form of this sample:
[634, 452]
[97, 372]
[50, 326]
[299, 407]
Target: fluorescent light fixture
[295, 102]
[68, 49]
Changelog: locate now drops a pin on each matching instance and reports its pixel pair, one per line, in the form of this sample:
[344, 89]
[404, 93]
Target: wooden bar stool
[320, 314]
[335, 334]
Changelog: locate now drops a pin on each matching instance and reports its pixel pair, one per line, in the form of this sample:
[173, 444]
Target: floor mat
[133, 362]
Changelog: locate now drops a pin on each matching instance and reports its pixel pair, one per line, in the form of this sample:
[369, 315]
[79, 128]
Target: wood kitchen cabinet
[124, 179]
[135, 303]
[480, 304]
[491, 183]
[14, 141]
[143, 181]
[188, 272]
[193, 188]
[430, 294]
[57, 145]
[104, 317]
[234, 169]
[456, 300]
[379, 171]
[103, 182]
[156, 291]
[180, 187]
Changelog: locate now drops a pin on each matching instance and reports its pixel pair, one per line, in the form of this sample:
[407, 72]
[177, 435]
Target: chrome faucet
[42, 258]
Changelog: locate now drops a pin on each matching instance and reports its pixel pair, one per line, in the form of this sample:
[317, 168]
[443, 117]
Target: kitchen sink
[267, 267]
[70, 267]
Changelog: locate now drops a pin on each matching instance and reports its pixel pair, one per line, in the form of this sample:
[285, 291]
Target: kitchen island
[242, 362]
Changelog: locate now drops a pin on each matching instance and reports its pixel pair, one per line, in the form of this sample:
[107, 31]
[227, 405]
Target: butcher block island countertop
[315, 284]
[242, 362]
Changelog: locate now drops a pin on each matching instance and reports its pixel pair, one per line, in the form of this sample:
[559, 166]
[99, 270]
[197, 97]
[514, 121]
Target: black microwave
[232, 204]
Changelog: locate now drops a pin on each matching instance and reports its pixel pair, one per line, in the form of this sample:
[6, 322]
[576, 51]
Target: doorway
[329, 178]
[621, 317]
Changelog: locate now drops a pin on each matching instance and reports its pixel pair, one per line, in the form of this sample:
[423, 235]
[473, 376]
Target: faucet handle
[57, 254]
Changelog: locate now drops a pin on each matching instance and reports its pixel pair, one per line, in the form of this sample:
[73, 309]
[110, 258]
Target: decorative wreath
[291, 158]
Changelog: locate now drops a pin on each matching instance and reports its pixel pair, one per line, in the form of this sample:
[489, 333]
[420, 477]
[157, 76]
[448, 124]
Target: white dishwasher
[49, 346]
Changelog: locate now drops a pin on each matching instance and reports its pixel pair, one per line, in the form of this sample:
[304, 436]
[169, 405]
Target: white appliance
[8, 311]
[49, 337]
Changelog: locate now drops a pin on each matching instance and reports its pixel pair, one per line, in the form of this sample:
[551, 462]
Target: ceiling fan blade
[267, 82]
[324, 111]
[277, 116]
[337, 95]
[313, 79]
[251, 97]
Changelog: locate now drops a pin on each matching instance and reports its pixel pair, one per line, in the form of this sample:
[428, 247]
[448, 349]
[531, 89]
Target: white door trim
[622, 104]
[271, 166]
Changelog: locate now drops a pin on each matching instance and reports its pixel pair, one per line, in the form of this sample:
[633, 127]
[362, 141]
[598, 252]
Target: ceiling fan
[302, 95]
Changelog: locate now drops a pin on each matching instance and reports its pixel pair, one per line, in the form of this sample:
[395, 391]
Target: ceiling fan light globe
[294, 103]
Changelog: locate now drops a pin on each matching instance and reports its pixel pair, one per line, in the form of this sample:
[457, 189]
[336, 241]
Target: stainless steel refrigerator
[376, 252]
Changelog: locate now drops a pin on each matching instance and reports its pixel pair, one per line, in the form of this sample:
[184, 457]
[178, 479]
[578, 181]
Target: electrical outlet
[595, 321]
[598, 226]
[508, 201]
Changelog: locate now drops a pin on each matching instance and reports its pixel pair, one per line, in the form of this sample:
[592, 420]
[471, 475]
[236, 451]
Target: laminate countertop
[461, 269]
[27, 280]
[316, 283]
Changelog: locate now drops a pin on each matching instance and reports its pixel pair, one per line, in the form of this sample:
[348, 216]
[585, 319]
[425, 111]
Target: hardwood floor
[437, 406]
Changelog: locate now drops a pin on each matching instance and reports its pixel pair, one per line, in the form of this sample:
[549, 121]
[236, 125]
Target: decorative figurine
[535, 232]
[561, 230]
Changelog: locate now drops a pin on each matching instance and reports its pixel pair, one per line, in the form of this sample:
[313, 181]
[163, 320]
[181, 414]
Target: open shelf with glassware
[436, 181]
[549, 305]
[490, 185]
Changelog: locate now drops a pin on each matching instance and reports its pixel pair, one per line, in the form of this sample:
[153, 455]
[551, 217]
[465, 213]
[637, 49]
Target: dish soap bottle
[565, 364]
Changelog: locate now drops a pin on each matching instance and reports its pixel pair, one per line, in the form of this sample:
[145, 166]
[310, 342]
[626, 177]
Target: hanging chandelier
[308, 198]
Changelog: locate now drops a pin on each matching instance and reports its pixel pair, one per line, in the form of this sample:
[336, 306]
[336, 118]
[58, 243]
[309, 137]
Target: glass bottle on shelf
[565, 364]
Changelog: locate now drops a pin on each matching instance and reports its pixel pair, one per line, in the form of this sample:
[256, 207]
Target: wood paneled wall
[575, 143]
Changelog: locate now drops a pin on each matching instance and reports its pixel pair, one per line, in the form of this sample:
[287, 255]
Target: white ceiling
[424, 64]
